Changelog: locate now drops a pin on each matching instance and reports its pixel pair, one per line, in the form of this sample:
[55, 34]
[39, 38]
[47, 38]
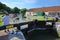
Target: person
[5, 20]
[56, 17]
[46, 16]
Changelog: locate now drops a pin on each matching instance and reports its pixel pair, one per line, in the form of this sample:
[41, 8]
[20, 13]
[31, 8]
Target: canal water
[42, 35]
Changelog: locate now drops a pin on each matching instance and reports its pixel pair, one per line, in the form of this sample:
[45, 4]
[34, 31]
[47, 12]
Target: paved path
[3, 35]
[9, 36]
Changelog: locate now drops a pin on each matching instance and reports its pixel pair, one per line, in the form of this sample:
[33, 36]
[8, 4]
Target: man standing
[56, 17]
[5, 19]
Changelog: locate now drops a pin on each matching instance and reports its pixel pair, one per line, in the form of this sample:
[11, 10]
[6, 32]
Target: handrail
[14, 25]
[20, 24]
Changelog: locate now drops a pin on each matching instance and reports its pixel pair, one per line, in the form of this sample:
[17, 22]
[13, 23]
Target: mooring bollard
[57, 26]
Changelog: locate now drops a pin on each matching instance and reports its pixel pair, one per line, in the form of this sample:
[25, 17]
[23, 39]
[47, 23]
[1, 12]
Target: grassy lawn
[1, 20]
[42, 18]
[50, 18]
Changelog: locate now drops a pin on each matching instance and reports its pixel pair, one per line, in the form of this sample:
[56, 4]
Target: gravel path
[3, 35]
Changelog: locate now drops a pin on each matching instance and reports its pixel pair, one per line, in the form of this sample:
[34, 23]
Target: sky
[30, 3]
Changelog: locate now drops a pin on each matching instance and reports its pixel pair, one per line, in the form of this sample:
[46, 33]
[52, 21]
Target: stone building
[52, 11]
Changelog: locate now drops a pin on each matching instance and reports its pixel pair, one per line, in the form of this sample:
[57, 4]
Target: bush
[1, 20]
[1, 12]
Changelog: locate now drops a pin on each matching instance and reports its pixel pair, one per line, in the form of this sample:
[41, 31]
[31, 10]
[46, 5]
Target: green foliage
[1, 12]
[1, 20]
[15, 10]
[4, 7]
[8, 9]
[23, 11]
[1, 6]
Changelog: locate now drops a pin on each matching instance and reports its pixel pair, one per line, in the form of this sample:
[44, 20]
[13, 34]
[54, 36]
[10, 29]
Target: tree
[23, 11]
[1, 6]
[4, 7]
[15, 10]
[9, 10]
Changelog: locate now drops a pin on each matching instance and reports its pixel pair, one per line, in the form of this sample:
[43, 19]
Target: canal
[34, 35]
[42, 35]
